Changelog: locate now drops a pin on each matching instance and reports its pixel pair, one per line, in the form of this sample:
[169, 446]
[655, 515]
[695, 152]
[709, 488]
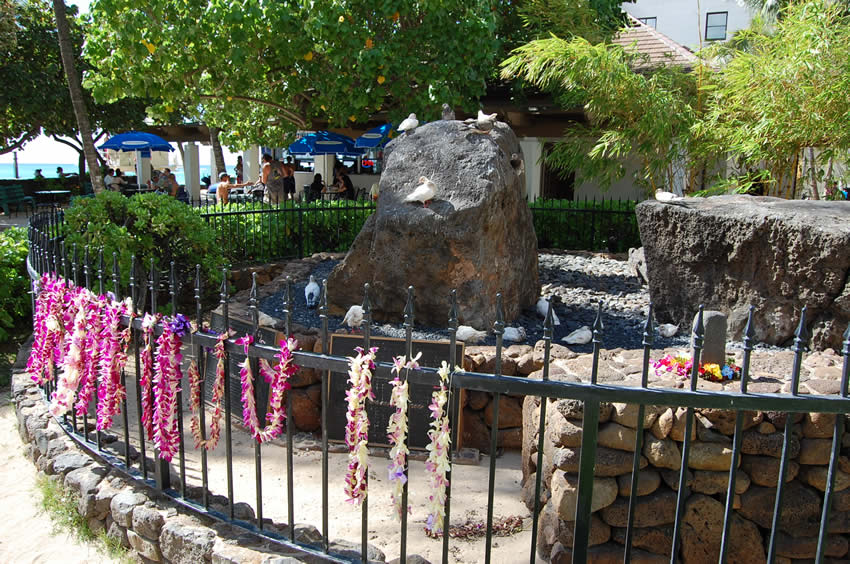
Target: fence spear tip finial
[649, 327]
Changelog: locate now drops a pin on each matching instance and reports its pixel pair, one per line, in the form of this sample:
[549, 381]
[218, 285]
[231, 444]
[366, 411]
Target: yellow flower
[229, 98]
[308, 56]
[381, 79]
[369, 43]
[341, 19]
[324, 109]
[150, 46]
[352, 118]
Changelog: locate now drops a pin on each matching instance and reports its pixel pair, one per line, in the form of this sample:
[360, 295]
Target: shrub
[152, 227]
[15, 302]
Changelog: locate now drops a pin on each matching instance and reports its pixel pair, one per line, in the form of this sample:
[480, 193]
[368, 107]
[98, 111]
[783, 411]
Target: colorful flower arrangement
[278, 384]
[166, 380]
[357, 427]
[397, 428]
[439, 452]
[217, 394]
[681, 365]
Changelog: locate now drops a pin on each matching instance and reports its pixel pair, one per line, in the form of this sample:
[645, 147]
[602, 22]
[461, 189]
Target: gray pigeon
[448, 113]
[312, 292]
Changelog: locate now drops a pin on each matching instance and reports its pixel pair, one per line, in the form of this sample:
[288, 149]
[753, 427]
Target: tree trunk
[813, 162]
[76, 90]
[218, 165]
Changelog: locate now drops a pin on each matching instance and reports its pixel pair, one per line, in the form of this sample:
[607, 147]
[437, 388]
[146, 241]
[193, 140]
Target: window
[715, 26]
[651, 22]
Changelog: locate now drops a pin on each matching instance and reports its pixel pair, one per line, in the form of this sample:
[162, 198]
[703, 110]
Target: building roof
[656, 48]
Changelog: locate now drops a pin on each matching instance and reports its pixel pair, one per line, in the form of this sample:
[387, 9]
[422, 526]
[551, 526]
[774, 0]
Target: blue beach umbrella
[324, 143]
[375, 137]
[137, 141]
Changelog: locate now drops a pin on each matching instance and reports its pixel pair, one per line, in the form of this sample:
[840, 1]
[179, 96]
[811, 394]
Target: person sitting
[344, 185]
[224, 187]
[38, 175]
[110, 182]
[314, 191]
[60, 173]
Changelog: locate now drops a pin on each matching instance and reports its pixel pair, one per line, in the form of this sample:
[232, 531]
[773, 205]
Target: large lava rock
[728, 252]
[476, 236]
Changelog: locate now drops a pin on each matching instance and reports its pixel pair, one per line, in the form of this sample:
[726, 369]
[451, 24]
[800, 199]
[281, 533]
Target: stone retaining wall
[708, 463]
[153, 526]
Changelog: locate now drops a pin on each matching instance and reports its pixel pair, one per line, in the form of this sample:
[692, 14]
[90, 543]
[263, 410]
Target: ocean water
[48, 170]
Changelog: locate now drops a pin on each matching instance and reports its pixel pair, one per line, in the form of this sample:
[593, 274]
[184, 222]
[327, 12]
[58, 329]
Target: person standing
[238, 169]
[273, 180]
[289, 179]
[224, 187]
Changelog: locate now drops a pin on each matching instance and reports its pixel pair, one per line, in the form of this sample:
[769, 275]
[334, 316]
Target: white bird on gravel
[543, 307]
[514, 334]
[423, 193]
[580, 336]
[353, 317]
[668, 330]
[312, 292]
[265, 320]
[408, 124]
[470, 335]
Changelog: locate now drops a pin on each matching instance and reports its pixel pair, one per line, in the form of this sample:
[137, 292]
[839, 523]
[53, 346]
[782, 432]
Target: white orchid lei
[439, 452]
[398, 427]
[357, 427]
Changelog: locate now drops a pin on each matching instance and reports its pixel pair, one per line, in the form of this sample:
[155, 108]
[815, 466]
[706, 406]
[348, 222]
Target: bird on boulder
[580, 336]
[663, 196]
[470, 334]
[408, 124]
[312, 292]
[448, 113]
[514, 334]
[423, 193]
[483, 123]
[668, 330]
[543, 307]
[354, 317]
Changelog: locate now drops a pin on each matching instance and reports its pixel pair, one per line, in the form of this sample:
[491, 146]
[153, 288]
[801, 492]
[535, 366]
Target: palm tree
[76, 90]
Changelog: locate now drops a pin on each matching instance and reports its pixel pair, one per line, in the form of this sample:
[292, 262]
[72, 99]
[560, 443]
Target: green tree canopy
[263, 69]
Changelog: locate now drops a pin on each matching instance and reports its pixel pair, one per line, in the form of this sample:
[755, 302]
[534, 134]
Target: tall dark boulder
[728, 252]
[476, 236]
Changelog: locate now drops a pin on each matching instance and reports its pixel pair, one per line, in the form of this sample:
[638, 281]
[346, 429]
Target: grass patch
[61, 506]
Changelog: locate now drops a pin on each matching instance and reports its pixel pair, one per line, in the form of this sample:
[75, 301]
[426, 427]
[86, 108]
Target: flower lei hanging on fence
[397, 428]
[357, 429]
[146, 376]
[74, 351]
[278, 381]
[92, 307]
[217, 393]
[48, 329]
[439, 451]
[113, 356]
[166, 380]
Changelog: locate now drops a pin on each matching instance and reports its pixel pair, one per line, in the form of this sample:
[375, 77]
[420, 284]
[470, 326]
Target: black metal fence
[48, 255]
[252, 231]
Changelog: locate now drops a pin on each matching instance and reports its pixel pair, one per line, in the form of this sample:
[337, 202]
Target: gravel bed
[577, 282]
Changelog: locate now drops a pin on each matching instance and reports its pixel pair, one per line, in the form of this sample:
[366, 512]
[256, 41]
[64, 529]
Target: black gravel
[576, 282]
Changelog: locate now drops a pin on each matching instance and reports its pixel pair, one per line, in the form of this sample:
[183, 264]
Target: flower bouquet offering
[439, 451]
[360, 370]
[680, 365]
[397, 428]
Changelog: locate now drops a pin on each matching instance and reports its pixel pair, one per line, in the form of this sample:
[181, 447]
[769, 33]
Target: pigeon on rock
[353, 317]
[423, 193]
[470, 335]
[312, 292]
[514, 334]
[409, 124]
[448, 113]
[485, 122]
[580, 336]
[668, 329]
[543, 307]
[663, 196]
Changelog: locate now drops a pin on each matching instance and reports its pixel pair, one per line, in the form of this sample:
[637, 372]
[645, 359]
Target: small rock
[148, 549]
[764, 470]
[657, 508]
[648, 482]
[565, 494]
[662, 453]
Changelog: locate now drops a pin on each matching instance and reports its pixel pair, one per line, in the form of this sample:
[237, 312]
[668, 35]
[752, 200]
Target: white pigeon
[514, 334]
[668, 329]
[485, 122]
[580, 336]
[423, 193]
[312, 292]
[353, 317]
[663, 196]
[265, 320]
[470, 334]
[408, 124]
[543, 307]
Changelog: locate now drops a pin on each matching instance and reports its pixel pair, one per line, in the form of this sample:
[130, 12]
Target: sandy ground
[27, 535]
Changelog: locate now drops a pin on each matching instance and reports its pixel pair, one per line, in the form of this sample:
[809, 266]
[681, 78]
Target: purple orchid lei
[278, 383]
[218, 392]
[397, 428]
[48, 329]
[92, 307]
[357, 428]
[439, 449]
[146, 377]
[166, 381]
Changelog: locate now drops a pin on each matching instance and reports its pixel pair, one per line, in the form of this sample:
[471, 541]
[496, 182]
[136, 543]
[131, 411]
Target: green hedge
[15, 301]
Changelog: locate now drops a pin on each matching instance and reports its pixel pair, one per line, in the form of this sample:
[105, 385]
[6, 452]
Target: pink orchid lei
[48, 329]
[397, 428]
[146, 377]
[92, 307]
[439, 449]
[113, 357]
[278, 383]
[166, 381]
[218, 392]
[75, 351]
[357, 429]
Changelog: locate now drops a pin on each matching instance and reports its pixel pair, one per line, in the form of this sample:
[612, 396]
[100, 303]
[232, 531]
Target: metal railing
[48, 255]
[586, 225]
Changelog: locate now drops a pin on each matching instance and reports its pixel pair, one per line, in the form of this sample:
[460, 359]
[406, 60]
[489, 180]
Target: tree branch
[291, 116]
[25, 138]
